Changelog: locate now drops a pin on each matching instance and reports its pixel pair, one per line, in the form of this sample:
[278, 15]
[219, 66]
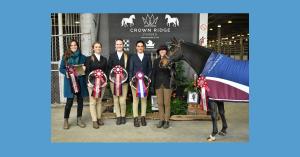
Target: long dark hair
[68, 52]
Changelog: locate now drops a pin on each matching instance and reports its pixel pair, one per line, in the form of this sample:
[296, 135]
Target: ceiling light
[229, 21]
[219, 26]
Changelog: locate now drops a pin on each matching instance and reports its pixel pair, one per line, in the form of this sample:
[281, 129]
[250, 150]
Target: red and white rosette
[118, 75]
[118, 71]
[72, 75]
[99, 82]
[202, 84]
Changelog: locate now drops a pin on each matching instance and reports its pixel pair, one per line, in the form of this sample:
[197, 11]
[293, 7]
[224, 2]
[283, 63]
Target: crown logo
[150, 44]
[150, 21]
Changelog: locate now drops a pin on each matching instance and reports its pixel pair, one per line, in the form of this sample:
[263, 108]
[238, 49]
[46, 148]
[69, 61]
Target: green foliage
[178, 107]
[190, 87]
[129, 108]
[181, 80]
[129, 105]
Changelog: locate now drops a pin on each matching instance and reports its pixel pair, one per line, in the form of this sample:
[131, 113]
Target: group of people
[161, 82]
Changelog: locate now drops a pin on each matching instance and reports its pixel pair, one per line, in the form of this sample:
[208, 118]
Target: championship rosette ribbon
[73, 79]
[98, 79]
[118, 75]
[203, 86]
[140, 85]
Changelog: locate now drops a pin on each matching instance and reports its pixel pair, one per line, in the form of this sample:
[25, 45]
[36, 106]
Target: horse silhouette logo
[129, 21]
[172, 20]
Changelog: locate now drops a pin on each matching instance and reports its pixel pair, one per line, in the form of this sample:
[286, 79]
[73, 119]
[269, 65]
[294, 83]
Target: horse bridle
[178, 45]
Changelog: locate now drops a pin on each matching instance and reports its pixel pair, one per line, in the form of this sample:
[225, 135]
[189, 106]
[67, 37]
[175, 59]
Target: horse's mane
[195, 55]
[198, 48]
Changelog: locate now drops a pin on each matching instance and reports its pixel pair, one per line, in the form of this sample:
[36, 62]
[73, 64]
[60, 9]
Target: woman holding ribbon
[163, 81]
[118, 64]
[140, 67]
[96, 65]
[74, 82]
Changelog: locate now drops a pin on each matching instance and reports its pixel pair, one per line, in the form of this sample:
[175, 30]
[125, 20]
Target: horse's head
[195, 55]
[167, 16]
[175, 50]
[132, 16]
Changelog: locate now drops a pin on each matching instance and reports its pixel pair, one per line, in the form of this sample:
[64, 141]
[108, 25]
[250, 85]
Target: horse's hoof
[222, 133]
[211, 138]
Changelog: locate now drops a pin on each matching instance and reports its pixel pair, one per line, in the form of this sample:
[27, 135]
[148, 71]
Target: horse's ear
[174, 40]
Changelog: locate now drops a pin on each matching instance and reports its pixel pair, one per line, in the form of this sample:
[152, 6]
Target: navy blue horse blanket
[227, 78]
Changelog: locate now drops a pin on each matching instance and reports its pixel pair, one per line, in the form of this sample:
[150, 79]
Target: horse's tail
[122, 22]
[177, 21]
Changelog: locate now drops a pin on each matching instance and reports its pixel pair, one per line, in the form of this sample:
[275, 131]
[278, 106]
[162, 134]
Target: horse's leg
[222, 114]
[213, 114]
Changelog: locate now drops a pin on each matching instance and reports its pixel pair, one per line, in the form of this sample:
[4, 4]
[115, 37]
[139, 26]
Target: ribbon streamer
[202, 84]
[118, 71]
[73, 78]
[141, 91]
[98, 74]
